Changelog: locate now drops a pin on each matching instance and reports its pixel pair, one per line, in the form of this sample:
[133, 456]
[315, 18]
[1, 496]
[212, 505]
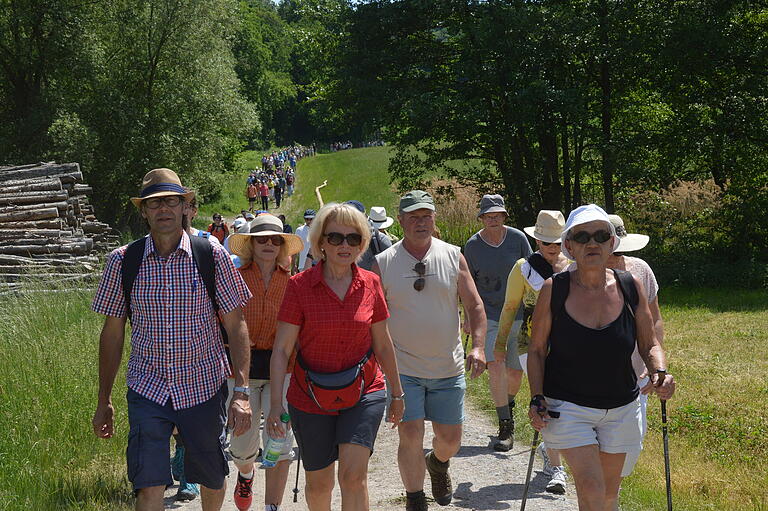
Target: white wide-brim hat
[263, 225]
[584, 215]
[628, 242]
[549, 226]
[379, 219]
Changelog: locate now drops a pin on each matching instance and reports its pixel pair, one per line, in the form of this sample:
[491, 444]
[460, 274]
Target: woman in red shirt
[264, 193]
[334, 314]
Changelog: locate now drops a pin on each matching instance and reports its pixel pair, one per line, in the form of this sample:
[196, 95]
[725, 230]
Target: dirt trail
[482, 479]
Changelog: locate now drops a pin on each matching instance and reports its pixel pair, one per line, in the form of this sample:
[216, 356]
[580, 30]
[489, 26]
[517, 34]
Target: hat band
[162, 187]
[265, 227]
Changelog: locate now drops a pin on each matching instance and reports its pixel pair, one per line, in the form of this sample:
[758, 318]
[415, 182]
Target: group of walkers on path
[326, 353]
[277, 177]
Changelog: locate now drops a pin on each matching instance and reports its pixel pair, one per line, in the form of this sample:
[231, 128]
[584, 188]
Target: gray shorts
[513, 360]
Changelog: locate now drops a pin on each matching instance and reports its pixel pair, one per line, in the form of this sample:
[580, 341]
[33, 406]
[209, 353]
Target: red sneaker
[243, 493]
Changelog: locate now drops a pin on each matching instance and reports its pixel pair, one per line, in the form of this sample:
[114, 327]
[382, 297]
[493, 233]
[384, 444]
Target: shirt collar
[316, 275]
[184, 245]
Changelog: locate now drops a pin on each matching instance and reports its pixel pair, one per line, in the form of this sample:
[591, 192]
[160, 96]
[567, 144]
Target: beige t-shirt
[424, 324]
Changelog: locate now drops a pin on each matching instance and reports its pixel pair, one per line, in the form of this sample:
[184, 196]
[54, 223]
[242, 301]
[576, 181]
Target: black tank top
[587, 366]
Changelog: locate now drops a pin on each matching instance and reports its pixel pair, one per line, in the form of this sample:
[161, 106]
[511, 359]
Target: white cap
[240, 225]
[583, 215]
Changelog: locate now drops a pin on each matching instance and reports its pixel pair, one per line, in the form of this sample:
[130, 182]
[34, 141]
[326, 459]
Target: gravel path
[482, 479]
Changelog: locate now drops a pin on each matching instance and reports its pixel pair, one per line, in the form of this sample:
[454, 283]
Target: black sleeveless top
[587, 366]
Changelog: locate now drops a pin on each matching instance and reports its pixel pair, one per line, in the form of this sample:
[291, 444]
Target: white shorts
[245, 448]
[614, 430]
[631, 460]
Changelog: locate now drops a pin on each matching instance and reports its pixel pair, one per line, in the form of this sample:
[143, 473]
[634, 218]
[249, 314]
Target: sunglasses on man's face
[336, 238]
[276, 240]
[421, 270]
[583, 237]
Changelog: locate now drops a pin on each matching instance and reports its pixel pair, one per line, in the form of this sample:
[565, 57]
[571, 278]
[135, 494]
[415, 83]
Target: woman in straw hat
[335, 315]
[260, 250]
[585, 327]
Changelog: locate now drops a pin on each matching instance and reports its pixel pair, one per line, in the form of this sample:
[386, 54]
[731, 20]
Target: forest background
[657, 110]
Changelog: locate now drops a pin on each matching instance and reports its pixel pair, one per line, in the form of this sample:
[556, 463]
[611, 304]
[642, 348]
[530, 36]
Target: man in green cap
[423, 279]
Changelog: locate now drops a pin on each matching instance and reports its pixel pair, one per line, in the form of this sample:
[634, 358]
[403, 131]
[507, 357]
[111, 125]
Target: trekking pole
[530, 469]
[665, 435]
[298, 469]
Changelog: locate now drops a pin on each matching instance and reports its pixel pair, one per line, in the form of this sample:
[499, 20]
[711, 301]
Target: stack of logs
[48, 230]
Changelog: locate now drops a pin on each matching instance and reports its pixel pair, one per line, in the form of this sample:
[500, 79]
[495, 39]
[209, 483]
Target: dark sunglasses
[583, 237]
[546, 244]
[276, 240]
[421, 270]
[336, 238]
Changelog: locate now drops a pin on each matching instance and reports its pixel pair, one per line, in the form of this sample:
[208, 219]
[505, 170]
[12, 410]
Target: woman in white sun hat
[261, 248]
[523, 285]
[585, 327]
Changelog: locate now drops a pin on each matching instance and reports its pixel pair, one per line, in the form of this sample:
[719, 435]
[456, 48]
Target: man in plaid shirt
[177, 368]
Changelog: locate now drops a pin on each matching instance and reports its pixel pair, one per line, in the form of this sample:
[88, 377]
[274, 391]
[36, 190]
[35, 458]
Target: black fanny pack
[260, 359]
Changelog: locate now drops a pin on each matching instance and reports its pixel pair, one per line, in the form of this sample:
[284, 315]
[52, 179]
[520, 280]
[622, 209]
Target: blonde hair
[343, 214]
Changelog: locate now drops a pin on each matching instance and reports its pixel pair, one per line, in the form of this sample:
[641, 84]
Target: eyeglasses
[336, 238]
[583, 237]
[546, 244]
[276, 240]
[421, 269]
[170, 200]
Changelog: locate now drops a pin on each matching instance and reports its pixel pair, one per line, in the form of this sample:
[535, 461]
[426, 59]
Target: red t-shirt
[264, 190]
[334, 334]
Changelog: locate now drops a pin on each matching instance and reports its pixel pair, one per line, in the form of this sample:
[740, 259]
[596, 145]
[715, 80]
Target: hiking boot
[177, 464]
[541, 450]
[506, 435]
[557, 483]
[243, 493]
[187, 491]
[418, 503]
[442, 491]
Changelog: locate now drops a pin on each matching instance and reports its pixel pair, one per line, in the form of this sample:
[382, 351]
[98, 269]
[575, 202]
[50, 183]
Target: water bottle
[274, 446]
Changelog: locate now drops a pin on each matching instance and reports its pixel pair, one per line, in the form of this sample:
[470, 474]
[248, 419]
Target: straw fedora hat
[549, 226]
[263, 225]
[379, 219]
[628, 242]
[161, 183]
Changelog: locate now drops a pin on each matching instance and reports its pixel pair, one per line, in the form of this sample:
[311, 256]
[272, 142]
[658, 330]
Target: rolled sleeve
[109, 299]
[231, 290]
[290, 310]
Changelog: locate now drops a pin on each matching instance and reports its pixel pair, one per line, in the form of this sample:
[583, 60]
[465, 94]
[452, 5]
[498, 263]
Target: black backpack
[202, 255]
[561, 285]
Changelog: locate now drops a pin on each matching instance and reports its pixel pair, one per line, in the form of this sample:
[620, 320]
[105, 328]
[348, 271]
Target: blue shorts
[202, 428]
[439, 400]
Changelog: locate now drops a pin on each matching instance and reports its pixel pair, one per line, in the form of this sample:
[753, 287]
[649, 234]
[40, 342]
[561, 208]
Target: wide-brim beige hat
[549, 226]
[379, 219]
[628, 242]
[161, 183]
[263, 225]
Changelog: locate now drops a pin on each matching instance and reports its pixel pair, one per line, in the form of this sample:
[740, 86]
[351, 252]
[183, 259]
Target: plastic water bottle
[274, 446]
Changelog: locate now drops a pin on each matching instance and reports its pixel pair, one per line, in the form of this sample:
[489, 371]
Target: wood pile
[48, 230]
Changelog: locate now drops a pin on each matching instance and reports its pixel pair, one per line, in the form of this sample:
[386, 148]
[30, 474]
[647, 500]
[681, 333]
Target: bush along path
[482, 478]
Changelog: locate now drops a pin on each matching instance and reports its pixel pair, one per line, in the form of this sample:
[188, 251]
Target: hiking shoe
[506, 435]
[177, 464]
[557, 483]
[243, 493]
[541, 450]
[416, 504]
[442, 491]
[187, 491]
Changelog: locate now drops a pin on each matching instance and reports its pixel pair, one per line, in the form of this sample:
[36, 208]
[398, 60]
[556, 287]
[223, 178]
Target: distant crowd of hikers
[326, 331]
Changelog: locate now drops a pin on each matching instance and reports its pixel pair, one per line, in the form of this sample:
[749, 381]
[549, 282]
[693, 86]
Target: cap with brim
[628, 242]
[492, 204]
[416, 199]
[549, 226]
[583, 215]
[263, 225]
[310, 213]
[161, 183]
[240, 225]
[379, 219]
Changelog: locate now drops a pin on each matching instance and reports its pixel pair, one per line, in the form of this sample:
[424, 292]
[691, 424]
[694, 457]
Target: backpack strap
[561, 285]
[541, 265]
[376, 247]
[134, 254]
[628, 289]
[202, 254]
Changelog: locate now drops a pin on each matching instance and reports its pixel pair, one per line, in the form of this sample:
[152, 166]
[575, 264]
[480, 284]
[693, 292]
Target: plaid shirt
[176, 345]
[334, 334]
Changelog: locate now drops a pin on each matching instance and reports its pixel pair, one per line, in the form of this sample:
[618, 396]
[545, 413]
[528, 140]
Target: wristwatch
[401, 397]
[242, 390]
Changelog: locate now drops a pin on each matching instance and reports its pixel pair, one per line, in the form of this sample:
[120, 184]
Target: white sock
[246, 476]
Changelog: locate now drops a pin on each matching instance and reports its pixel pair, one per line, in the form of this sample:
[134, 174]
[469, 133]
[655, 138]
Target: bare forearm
[278, 366]
[536, 371]
[110, 355]
[240, 351]
[385, 354]
[478, 325]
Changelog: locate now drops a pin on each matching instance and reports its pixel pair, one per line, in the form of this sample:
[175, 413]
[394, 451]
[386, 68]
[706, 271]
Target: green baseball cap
[416, 199]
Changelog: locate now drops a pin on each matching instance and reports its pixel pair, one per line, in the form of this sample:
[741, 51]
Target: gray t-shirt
[490, 267]
[379, 243]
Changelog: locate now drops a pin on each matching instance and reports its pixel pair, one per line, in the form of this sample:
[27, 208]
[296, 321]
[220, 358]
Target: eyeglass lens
[336, 238]
[584, 236]
[276, 240]
[546, 244]
[421, 269]
[170, 201]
